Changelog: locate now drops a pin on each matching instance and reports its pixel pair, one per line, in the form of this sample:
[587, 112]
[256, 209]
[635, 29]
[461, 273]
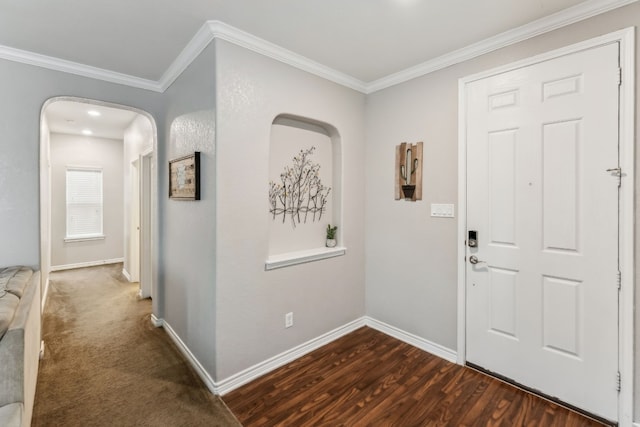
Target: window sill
[302, 257]
[84, 239]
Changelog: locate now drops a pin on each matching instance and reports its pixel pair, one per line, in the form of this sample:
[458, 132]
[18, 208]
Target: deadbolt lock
[472, 240]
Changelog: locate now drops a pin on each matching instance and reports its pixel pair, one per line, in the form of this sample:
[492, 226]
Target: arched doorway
[84, 121]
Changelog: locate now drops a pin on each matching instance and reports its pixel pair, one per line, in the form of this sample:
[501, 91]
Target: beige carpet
[106, 365]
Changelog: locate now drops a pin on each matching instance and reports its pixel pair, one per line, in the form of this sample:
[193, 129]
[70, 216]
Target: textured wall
[411, 268]
[415, 288]
[188, 261]
[251, 303]
[20, 107]
[252, 90]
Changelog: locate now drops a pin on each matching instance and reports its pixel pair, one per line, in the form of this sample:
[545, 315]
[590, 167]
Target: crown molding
[222, 31]
[57, 64]
[217, 29]
[196, 45]
[544, 25]
[205, 35]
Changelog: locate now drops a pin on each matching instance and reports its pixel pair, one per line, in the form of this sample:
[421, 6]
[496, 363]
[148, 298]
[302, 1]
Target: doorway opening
[106, 154]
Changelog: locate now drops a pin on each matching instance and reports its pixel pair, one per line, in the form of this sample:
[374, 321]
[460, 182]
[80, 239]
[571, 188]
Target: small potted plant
[331, 236]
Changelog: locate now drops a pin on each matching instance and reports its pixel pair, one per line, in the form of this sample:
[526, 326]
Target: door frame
[134, 228]
[45, 197]
[626, 38]
[147, 196]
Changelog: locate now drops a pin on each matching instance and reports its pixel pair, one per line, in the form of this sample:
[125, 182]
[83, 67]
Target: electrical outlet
[288, 320]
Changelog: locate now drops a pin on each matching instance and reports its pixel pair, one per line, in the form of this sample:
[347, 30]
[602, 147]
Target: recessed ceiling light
[87, 132]
[94, 113]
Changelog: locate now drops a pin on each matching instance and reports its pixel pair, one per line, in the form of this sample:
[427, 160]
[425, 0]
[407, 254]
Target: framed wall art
[184, 177]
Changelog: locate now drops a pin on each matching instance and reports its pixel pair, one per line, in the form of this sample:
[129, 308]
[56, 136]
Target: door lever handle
[474, 260]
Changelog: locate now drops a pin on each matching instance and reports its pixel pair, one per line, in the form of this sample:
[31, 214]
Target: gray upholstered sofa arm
[19, 356]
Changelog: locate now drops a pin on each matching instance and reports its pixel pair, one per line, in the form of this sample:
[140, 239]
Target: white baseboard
[414, 340]
[86, 264]
[202, 373]
[45, 293]
[155, 321]
[237, 380]
[249, 374]
[126, 274]
[636, 424]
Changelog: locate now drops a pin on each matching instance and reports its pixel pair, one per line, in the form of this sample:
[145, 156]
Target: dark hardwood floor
[367, 378]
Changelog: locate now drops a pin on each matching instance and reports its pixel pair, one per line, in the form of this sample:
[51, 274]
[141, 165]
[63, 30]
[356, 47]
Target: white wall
[251, 303]
[411, 268]
[20, 107]
[74, 150]
[45, 212]
[188, 228]
[138, 138]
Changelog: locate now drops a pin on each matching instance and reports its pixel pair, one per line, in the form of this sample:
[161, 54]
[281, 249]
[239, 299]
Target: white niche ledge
[301, 257]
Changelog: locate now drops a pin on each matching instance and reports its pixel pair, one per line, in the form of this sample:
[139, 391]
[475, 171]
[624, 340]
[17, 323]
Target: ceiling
[365, 39]
[71, 117]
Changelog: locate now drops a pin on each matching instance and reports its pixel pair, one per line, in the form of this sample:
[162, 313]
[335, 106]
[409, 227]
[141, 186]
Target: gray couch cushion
[14, 280]
[8, 306]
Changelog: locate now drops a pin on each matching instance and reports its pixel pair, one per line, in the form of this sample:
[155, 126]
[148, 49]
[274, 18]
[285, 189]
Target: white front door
[542, 301]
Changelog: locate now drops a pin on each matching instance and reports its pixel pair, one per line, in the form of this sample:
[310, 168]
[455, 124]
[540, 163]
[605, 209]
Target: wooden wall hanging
[408, 179]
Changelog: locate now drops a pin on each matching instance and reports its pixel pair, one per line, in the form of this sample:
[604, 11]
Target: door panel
[561, 315]
[504, 289]
[502, 196]
[542, 305]
[561, 180]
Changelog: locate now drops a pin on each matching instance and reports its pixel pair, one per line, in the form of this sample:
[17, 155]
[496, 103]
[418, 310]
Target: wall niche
[304, 190]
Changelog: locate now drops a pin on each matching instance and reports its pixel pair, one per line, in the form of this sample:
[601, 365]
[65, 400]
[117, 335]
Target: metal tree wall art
[299, 195]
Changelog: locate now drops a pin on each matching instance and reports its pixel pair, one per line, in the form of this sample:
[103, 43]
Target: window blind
[84, 203]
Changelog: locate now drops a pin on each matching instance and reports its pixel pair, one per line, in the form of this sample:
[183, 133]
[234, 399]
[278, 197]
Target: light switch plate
[442, 210]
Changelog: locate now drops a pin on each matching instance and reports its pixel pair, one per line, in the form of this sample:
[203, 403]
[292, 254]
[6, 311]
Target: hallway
[105, 363]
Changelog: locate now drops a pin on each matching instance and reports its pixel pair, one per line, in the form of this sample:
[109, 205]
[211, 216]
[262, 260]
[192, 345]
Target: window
[84, 203]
